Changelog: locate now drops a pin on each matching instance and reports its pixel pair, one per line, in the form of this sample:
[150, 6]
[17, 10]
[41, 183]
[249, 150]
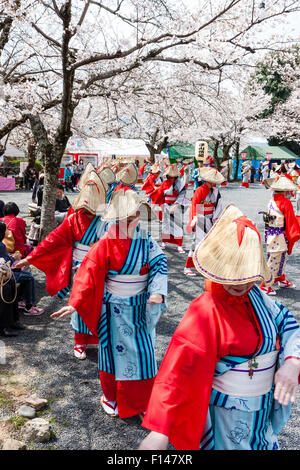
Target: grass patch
[5, 400]
[17, 421]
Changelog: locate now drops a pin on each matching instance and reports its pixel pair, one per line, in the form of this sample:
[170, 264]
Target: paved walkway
[44, 351]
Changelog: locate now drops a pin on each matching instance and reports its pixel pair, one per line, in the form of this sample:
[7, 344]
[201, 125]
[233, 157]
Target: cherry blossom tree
[60, 53]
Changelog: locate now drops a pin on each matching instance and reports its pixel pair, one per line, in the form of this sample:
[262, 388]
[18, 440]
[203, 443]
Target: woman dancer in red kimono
[119, 292]
[153, 180]
[64, 248]
[282, 230]
[201, 398]
[205, 209]
[171, 199]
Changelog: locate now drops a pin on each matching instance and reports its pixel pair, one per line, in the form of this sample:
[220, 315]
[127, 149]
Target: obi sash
[206, 208]
[124, 285]
[171, 198]
[81, 248]
[138, 255]
[238, 382]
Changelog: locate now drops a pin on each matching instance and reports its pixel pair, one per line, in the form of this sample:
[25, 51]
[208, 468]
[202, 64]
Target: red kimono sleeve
[148, 185]
[199, 196]
[157, 195]
[54, 254]
[292, 228]
[88, 285]
[180, 396]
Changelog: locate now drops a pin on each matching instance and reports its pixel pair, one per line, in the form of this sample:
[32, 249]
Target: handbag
[6, 275]
[9, 240]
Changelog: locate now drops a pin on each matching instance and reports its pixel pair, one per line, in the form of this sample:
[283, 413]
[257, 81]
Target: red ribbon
[243, 222]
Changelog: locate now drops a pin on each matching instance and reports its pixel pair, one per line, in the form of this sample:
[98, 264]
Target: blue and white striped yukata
[126, 328]
[96, 230]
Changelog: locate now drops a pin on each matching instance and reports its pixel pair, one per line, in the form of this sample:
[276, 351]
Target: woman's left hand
[286, 381]
[156, 299]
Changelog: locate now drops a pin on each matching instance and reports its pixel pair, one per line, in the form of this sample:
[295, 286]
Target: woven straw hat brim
[172, 171]
[220, 258]
[155, 169]
[92, 196]
[281, 183]
[107, 175]
[85, 175]
[211, 175]
[124, 204]
[268, 181]
[128, 175]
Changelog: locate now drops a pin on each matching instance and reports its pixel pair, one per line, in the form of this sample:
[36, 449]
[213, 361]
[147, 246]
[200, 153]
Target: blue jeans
[27, 287]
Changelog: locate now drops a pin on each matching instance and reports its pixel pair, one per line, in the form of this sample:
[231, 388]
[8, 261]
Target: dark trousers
[9, 313]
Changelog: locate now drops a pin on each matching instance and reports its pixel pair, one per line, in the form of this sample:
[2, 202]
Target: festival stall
[258, 153]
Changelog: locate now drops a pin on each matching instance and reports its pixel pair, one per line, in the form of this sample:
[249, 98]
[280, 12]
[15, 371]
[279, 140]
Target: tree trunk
[31, 152]
[215, 154]
[52, 166]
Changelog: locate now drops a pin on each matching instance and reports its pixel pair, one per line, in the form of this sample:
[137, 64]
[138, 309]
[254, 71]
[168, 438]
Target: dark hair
[11, 208]
[60, 186]
[2, 230]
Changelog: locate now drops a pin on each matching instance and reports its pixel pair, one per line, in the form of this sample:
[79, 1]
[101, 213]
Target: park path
[41, 358]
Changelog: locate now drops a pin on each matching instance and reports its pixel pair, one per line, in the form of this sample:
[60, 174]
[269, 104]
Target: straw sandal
[80, 351]
[110, 407]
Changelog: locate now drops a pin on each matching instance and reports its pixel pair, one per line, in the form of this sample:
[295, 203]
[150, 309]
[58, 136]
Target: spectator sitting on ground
[24, 278]
[62, 204]
[17, 227]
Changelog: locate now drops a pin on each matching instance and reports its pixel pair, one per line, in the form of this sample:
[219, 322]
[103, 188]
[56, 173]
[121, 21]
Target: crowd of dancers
[115, 274]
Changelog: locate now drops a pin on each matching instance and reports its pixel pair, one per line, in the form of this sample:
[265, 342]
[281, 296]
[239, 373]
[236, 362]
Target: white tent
[13, 152]
[108, 147]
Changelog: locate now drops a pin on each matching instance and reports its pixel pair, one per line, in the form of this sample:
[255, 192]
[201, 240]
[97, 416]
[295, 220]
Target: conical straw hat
[92, 196]
[128, 175]
[280, 183]
[107, 175]
[172, 170]
[155, 168]
[225, 163]
[85, 175]
[232, 251]
[211, 175]
[125, 203]
[266, 162]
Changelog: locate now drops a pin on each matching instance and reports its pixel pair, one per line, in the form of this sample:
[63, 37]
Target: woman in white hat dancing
[232, 367]
[119, 292]
[205, 209]
[282, 230]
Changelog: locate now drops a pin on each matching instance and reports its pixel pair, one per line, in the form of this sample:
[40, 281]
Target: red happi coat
[158, 195]
[292, 228]
[149, 185]
[215, 325]
[200, 195]
[54, 254]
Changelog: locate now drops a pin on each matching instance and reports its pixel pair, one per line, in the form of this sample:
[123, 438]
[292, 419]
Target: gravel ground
[44, 351]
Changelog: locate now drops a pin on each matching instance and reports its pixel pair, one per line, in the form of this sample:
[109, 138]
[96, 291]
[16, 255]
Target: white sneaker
[180, 249]
[163, 246]
[79, 351]
[110, 407]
